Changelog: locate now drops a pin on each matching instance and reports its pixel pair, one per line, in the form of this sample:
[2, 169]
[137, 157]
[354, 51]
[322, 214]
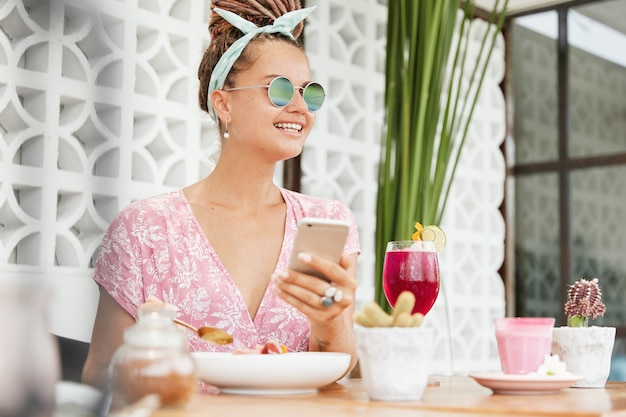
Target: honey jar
[154, 359]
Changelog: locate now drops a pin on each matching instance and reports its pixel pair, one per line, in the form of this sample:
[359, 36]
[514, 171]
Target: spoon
[209, 334]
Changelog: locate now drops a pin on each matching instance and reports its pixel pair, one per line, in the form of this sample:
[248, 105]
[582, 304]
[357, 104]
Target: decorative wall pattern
[98, 109]
[346, 46]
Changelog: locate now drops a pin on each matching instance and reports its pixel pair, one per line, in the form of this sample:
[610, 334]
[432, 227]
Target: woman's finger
[335, 273]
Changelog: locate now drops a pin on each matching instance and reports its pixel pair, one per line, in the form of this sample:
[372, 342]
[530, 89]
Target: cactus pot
[586, 351]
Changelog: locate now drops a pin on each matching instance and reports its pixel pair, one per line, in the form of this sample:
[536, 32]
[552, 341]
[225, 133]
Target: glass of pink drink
[411, 265]
[523, 343]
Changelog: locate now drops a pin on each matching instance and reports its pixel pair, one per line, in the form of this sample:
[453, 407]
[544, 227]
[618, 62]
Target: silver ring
[331, 296]
[327, 301]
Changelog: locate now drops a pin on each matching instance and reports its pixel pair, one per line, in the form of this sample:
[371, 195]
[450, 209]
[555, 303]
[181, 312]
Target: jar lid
[154, 328]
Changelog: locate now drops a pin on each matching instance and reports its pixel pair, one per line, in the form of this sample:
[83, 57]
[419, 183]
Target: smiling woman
[186, 247]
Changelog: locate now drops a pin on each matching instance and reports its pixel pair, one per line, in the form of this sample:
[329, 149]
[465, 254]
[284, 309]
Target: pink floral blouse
[155, 246]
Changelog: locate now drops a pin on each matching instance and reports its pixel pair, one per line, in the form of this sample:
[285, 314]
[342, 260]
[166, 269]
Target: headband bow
[283, 25]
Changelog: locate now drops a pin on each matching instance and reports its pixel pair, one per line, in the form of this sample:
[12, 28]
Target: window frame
[564, 166]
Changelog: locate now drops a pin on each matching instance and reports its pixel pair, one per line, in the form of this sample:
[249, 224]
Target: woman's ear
[219, 101]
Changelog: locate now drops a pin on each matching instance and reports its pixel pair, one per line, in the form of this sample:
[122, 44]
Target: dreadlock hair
[223, 35]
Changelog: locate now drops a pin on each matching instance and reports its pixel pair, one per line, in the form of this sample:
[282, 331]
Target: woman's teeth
[289, 126]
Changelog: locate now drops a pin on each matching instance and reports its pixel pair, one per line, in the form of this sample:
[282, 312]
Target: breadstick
[403, 320]
[377, 314]
[363, 319]
[404, 304]
[417, 319]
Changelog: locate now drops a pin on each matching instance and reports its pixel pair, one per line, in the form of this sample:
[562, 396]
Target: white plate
[501, 383]
[256, 374]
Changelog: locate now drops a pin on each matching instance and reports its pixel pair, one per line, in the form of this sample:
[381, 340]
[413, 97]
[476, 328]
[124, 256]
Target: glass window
[534, 57]
[582, 104]
[597, 71]
[599, 235]
[537, 256]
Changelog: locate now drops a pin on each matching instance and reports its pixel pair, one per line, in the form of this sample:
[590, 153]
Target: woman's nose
[297, 101]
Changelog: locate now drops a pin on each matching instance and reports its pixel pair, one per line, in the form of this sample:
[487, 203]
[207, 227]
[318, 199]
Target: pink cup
[523, 342]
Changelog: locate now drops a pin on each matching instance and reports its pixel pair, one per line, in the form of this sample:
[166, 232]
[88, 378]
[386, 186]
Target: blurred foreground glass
[29, 356]
[523, 342]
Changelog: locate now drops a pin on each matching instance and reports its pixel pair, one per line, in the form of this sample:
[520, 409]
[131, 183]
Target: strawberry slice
[273, 347]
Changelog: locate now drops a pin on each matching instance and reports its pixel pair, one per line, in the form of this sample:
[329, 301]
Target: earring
[226, 134]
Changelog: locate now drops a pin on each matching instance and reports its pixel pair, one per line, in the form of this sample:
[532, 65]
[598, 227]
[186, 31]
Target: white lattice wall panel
[97, 109]
[345, 41]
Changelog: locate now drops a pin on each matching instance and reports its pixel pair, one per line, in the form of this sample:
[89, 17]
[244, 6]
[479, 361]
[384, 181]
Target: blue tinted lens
[314, 96]
[280, 91]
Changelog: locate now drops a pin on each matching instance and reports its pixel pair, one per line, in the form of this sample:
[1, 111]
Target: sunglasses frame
[303, 91]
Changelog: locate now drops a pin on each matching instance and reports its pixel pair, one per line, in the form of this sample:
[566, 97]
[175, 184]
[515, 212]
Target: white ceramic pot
[586, 351]
[394, 361]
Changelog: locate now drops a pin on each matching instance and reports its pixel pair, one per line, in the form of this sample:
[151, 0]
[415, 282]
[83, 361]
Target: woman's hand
[331, 322]
[318, 299]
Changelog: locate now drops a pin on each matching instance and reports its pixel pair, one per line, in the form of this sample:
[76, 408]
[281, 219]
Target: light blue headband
[283, 25]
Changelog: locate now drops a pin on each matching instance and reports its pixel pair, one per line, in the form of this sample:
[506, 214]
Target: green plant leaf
[577, 321]
[428, 113]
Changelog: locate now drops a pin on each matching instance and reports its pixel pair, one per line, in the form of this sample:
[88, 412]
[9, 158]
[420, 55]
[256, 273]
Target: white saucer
[533, 384]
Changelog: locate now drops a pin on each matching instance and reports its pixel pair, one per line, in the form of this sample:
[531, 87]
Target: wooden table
[455, 396]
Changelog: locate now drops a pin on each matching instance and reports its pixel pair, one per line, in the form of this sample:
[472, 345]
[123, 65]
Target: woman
[218, 249]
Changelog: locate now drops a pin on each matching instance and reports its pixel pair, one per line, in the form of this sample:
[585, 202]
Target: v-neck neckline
[211, 250]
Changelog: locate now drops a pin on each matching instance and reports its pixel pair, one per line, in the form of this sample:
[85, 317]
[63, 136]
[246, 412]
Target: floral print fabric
[155, 246]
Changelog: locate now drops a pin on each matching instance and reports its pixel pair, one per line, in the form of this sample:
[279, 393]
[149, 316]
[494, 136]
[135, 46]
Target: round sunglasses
[280, 92]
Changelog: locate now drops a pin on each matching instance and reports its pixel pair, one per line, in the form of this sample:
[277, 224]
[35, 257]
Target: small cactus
[584, 302]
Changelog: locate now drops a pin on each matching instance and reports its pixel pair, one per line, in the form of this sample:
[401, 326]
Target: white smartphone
[323, 237]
